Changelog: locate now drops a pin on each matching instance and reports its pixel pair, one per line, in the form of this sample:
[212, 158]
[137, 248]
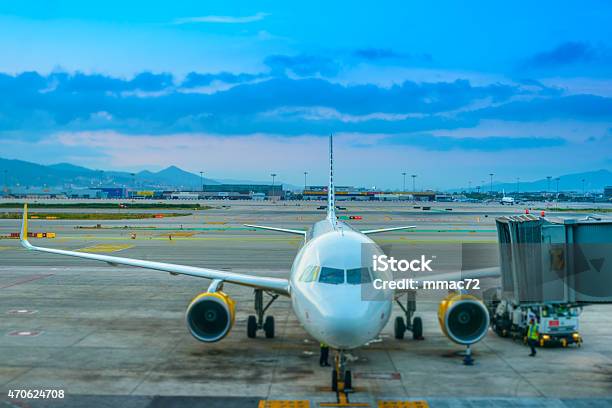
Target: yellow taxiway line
[104, 248]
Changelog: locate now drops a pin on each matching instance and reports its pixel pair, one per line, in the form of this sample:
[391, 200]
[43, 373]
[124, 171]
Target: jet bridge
[555, 260]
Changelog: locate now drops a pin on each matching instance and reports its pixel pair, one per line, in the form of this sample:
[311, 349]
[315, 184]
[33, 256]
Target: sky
[446, 90]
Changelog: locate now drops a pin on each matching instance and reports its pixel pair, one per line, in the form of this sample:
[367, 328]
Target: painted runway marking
[4, 248]
[21, 312]
[26, 280]
[105, 248]
[284, 404]
[379, 375]
[25, 333]
[403, 404]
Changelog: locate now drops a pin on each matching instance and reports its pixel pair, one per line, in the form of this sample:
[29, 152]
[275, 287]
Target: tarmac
[115, 336]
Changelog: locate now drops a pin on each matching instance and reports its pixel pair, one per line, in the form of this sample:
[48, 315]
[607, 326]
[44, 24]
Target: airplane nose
[351, 326]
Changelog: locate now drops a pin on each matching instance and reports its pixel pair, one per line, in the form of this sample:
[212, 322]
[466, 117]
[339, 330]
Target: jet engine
[463, 318]
[210, 316]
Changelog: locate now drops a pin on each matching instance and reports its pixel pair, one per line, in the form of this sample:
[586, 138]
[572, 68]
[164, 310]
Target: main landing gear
[258, 322]
[402, 324]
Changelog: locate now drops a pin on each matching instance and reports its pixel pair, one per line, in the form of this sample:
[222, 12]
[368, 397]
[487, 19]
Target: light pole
[470, 186]
[413, 182]
[6, 181]
[548, 185]
[491, 175]
[404, 183]
[305, 174]
[273, 177]
[583, 190]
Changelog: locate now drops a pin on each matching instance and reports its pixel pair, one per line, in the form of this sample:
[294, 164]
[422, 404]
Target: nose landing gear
[342, 384]
[258, 322]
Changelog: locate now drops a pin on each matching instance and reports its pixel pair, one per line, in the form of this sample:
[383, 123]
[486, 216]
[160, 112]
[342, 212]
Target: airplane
[325, 287]
[505, 200]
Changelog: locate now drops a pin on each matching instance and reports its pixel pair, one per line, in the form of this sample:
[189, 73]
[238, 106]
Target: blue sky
[242, 89]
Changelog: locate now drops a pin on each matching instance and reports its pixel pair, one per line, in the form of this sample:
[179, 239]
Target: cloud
[563, 54]
[302, 65]
[32, 105]
[195, 79]
[374, 54]
[579, 107]
[386, 54]
[571, 58]
[484, 144]
[306, 65]
[222, 19]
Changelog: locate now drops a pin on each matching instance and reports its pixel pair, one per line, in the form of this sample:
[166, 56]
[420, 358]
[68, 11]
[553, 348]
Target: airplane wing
[286, 230]
[376, 231]
[277, 285]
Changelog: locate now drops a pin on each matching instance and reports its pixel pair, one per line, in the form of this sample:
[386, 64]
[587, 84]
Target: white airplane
[506, 200]
[325, 286]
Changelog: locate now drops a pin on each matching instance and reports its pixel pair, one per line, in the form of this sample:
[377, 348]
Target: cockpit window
[331, 275]
[310, 274]
[358, 275]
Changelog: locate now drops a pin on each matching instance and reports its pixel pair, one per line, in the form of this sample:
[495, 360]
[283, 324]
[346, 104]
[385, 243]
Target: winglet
[23, 235]
[377, 231]
[287, 230]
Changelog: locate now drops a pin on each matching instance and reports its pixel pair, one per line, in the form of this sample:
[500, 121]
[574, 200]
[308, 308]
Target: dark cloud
[564, 54]
[580, 107]
[302, 65]
[374, 54]
[194, 79]
[150, 82]
[486, 144]
[386, 54]
[32, 105]
[572, 58]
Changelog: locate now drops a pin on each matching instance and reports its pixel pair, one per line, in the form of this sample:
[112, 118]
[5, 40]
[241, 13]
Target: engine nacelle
[210, 316]
[463, 318]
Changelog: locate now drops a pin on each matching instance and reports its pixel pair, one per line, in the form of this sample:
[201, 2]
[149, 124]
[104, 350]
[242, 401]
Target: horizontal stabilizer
[285, 230]
[377, 231]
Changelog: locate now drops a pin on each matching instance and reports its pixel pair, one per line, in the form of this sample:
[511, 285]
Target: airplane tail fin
[331, 192]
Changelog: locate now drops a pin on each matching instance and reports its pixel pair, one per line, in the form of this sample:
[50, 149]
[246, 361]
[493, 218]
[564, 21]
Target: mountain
[27, 174]
[593, 181]
[174, 176]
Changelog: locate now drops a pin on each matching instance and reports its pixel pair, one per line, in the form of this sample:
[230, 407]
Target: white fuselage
[337, 314]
